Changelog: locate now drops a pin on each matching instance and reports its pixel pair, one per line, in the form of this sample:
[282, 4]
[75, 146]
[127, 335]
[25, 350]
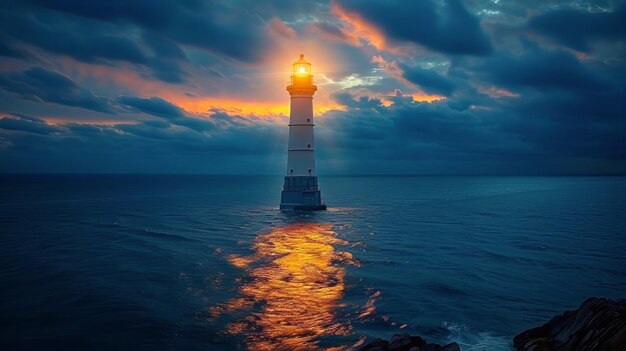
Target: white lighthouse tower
[300, 191]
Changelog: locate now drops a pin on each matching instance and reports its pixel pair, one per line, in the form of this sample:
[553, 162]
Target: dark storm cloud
[510, 136]
[288, 10]
[89, 42]
[159, 107]
[157, 13]
[221, 28]
[167, 58]
[163, 47]
[168, 70]
[40, 84]
[429, 80]
[577, 29]
[541, 68]
[407, 129]
[153, 105]
[449, 28]
[146, 130]
[34, 145]
[29, 124]
[364, 102]
[98, 32]
[7, 49]
[569, 125]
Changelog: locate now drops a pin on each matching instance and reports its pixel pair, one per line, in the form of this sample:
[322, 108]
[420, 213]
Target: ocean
[200, 262]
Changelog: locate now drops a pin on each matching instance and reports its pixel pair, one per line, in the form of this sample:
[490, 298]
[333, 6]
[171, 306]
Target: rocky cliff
[597, 325]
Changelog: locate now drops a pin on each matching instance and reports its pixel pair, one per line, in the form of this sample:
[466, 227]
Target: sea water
[196, 262]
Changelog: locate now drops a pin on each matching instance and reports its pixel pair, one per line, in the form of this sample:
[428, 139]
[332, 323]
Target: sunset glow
[197, 78]
[265, 110]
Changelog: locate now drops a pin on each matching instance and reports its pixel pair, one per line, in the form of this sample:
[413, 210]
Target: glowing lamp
[301, 67]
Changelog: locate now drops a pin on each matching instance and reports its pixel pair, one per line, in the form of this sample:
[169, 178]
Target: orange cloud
[391, 68]
[359, 28]
[332, 32]
[496, 93]
[396, 72]
[264, 96]
[246, 108]
[279, 27]
[424, 97]
[122, 78]
[387, 100]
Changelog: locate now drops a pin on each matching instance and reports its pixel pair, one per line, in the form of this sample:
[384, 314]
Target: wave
[471, 340]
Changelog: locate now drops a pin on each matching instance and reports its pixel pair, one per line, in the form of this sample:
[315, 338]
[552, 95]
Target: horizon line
[321, 175]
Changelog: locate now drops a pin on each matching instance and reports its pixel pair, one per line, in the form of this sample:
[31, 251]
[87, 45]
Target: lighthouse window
[308, 120]
[308, 145]
[291, 170]
[309, 171]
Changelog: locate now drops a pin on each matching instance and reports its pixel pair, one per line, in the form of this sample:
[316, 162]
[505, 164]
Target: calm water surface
[209, 263]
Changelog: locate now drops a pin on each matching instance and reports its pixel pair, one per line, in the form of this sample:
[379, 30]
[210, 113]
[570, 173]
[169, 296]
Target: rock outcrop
[406, 342]
[597, 325]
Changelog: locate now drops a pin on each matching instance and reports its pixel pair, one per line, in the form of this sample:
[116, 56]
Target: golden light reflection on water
[297, 281]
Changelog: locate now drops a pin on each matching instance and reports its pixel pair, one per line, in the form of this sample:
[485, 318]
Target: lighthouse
[301, 190]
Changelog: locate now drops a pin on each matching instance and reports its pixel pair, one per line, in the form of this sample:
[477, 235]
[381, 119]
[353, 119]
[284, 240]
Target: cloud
[7, 49]
[158, 14]
[165, 63]
[163, 47]
[27, 124]
[407, 129]
[168, 71]
[40, 84]
[155, 106]
[279, 27]
[429, 80]
[159, 107]
[332, 31]
[32, 145]
[89, 42]
[99, 33]
[512, 136]
[198, 86]
[217, 27]
[541, 68]
[577, 29]
[449, 28]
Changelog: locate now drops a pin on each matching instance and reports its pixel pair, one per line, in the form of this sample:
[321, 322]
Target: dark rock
[597, 325]
[451, 347]
[376, 345]
[406, 342]
[400, 342]
[417, 341]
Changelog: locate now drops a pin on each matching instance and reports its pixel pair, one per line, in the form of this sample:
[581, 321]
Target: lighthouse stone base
[301, 193]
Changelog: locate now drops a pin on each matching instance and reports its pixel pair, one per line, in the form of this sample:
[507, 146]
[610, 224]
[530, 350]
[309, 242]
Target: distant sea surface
[169, 262]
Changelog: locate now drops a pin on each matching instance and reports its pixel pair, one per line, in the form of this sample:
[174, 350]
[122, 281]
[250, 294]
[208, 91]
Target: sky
[532, 87]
